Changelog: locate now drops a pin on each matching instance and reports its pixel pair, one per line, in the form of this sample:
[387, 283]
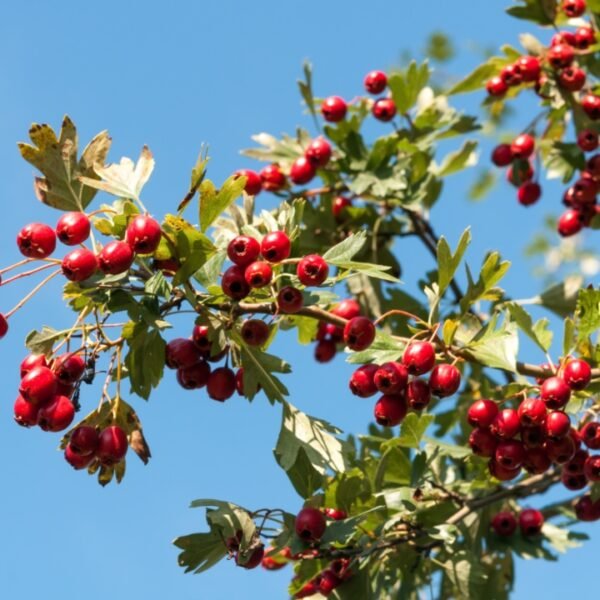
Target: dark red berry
[328, 581]
[359, 333]
[375, 82]
[77, 461]
[253, 183]
[419, 357]
[506, 424]
[384, 109]
[573, 481]
[253, 560]
[36, 240]
[302, 170]
[234, 283]
[555, 393]
[339, 206]
[590, 435]
[530, 68]
[532, 412]
[560, 56]
[318, 152]
[325, 351]
[510, 454]
[583, 193]
[586, 509]
[530, 522]
[529, 193]
[258, 274]
[255, 332]
[584, 38]
[391, 378]
[570, 223]
[73, 228]
[536, 461]
[201, 336]
[221, 384]
[557, 425]
[502, 155]
[276, 246]
[57, 415]
[38, 386]
[312, 270]
[560, 451]
[577, 374]
[496, 86]
[194, 377]
[504, 523]
[563, 37]
[347, 309]
[577, 463]
[533, 437]
[418, 394]
[502, 473]
[84, 440]
[79, 264]
[25, 413]
[591, 468]
[181, 353]
[481, 413]
[272, 178]
[587, 140]
[362, 381]
[310, 524]
[334, 109]
[112, 445]
[444, 380]
[483, 442]
[289, 300]
[69, 368]
[390, 410]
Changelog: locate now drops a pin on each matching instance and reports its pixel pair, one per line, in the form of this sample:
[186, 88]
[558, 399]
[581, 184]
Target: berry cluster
[530, 523]
[538, 433]
[400, 385]
[329, 336]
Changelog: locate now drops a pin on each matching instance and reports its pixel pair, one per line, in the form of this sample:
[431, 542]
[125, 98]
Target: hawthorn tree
[443, 499]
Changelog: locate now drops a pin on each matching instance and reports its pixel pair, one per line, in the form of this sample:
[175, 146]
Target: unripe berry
[510, 454]
[57, 415]
[25, 413]
[359, 333]
[529, 193]
[302, 170]
[502, 473]
[530, 522]
[577, 374]
[36, 240]
[522, 146]
[481, 413]
[312, 270]
[504, 523]
[557, 425]
[573, 8]
[560, 56]
[333, 109]
[496, 87]
[444, 380]
[79, 264]
[112, 445]
[69, 368]
[391, 378]
[591, 106]
[325, 351]
[338, 207]
[483, 442]
[532, 412]
[318, 152]
[234, 284]
[347, 309]
[502, 155]
[384, 109]
[73, 228]
[194, 377]
[181, 353]
[362, 381]
[310, 524]
[591, 468]
[253, 183]
[258, 274]
[587, 140]
[536, 461]
[555, 393]
[272, 178]
[84, 440]
[375, 82]
[255, 332]
[276, 246]
[570, 223]
[77, 461]
[419, 357]
[143, 234]
[38, 386]
[289, 300]
[530, 68]
[506, 424]
[418, 394]
[390, 410]
[31, 361]
[221, 384]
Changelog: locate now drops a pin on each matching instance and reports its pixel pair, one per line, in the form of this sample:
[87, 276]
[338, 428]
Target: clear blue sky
[174, 75]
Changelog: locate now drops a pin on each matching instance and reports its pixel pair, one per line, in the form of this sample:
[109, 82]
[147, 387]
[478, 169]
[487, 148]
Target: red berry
[302, 170]
[362, 381]
[116, 257]
[258, 274]
[308, 589]
[334, 109]
[418, 394]
[255, 332]
[391, 378]
[273, 563]
[390, 410]
[444, 380]
[577, 463]
[181, 353]
[168, 266]
[194, 377]
[384, 109]
[38, 386]
[496, 87]
[530, 68]
[511, 75]
[318, 152]
[506, 424]
[522, 146]
[36, 240]
[560, 451]
[201, 336]
[577, 374]
[533, 437]
[289, 300]
[502, 155]
[272, 178]
[84, 440]
[221, 384]
[481, 413]
[483, 442]
[310, 524]
[504, 523]
[591, 468]
[590, 435]
[571, 79]
[339, 206]
[530, 522]
[570, 223]
[77, 461]
[557, 425]
[3, 326]
[337, 514]
[536, 461]
[573, 481]
[243, 250]
[328, 581]
[502, 473]
[312, 270]
[143, 234]
[587, 140]
[591, 106]
[57, 415]
[532, 412]
[561, 56]
[25, 413]
[529, 193]
[555, 393]
[347, 309]
[234, 283]
[584, 38]
[586, 509]
[359, 333]
[255, 558]
[419, 357]
[583, 193]
[69, 368]
[573, 8]
[375, 82]
[276, 246]
[73, 228]
[325, 351]
[253, 183]
[31, 361]
[510, 454]
[112, 445]
[239, 382]
[79, 264]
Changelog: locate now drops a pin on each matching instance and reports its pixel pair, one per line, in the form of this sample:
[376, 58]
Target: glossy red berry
[522, 146]
[116, 257]
[583, 193]
[143, 234]
[529, 193]
[390, 410]
[302, 170]
[584, 38]
[573, 8]
[325, 351]
[504, 523]
[36, 240]
[289, 300]
[31, 361]
[384, 109]
[506, 424]
[375, 82]
[536, 461]
[234, 283]
[530, 522]
[112, 445]
[334, 109]
[590, 435]
[587, 140]
[483, 442]
[347, 309]
[560, 56]
[571, 79]
[557, 425]
[418, 394]
[201, 336]
[481, 413]
[586, 509]
[25, 413]
[444, 380]
[502, 155]
[221, 384]
[530, 68]
[79, 264]
[194, 377]
[318, 152]
[73, 228]
[510, 454]
[591, 468]
[253, 183]
[255, 332]
[77, 461]
[362, 381]
[337, 514]
[419, 357]
[359, 333]
[502, 473]
[391, 378]
[511, 75]
[555, 393]
[181, 353]
[276, 246]
[38, 386]
[310, 524]
[339, 206]
[84, 440]
[577, 374]
[496, 87]
[243, 250]
[57, 415]
[69, 368]
[577, 463]
[272, 178]
[570, 223]
[532, 412]
[312, 270]
[258, 274]
[591, 106]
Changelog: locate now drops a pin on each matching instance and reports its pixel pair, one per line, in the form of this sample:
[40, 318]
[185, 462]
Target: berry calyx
[258, 274]
[375, 82]
[253, 183]
[312, 270]
[73, 228]
[276, 246]
[419, 357]
[591, 468]
[384, 109]
[302, 170]
[243, 250]
[504, 523]
[143, 234]
[36, 240]
[359, 333]
[289, 300]
[390, 410]
[255, 332]
[444, 380]
[531, 522]
[80, 264]
[234, 283]
[362, 381]
[221, 384]
[561, 56]
[334, 109]
[577, 374]
[112, 445]
[310, 524]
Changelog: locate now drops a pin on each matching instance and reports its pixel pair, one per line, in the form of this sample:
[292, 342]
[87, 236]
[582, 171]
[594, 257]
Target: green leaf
[145, 360]
[213, 204]
[448, 262]
[306, 89]
[347, 249]
[457, 160]
[561, 298]
[341, 531]
[412, 429]
[587, 313]
[405, 86]
[538, 332]
[42, 342]
[542, 12]
[464, 571]
[569, 336]
[200, 551]
[383, 349]
[485, 181]
[496, 348]
[492, 271]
